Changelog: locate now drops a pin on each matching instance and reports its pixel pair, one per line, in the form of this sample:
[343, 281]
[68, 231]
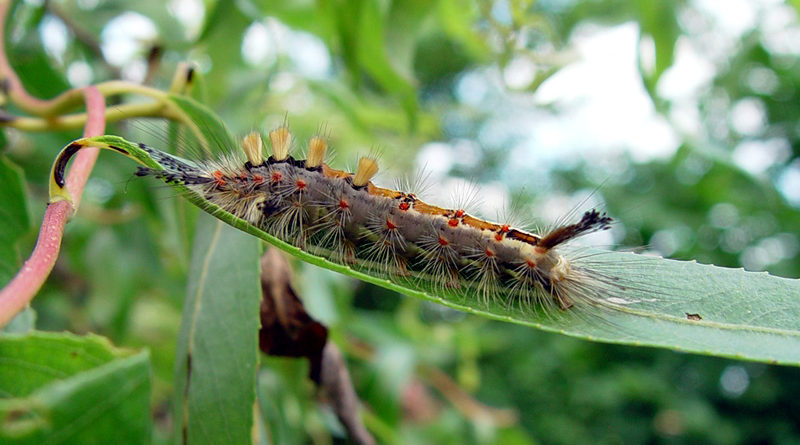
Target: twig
[22, 288]
[10, 81]
[337, 383]
[465, 403]
[460, 399]
[78, 120]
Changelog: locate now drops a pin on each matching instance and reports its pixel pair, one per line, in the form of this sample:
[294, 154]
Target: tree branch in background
[465, 403]
[78, 120]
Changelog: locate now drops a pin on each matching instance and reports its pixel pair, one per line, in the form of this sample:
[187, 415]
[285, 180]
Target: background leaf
[218, 343]
[65, 389]
[217, 352]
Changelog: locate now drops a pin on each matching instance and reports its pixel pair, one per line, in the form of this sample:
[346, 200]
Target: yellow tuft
[316, 152]
[366, 170]
[252, 148]
[281, 140]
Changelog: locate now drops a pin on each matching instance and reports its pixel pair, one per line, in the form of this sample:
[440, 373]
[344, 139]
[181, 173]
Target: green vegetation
[482, 79]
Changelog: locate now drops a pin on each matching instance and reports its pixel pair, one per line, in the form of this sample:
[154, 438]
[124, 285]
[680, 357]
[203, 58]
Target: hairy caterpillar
[381, 232]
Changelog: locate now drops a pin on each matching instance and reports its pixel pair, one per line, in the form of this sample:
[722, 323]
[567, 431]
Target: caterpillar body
[347, 219]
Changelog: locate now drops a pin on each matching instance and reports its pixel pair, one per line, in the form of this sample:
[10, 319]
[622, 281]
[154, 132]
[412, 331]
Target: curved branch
[78, 120]
[22, 288]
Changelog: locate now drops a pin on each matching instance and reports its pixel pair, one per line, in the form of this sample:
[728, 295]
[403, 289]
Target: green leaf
[374, 59]
[796, 4]
[214, 18]
[14, 214]
[457, 19]
[744, 315]
[360, 32]
[66, 389]
[217, 354]
[224, 51]
[216, 137]
[659, 21]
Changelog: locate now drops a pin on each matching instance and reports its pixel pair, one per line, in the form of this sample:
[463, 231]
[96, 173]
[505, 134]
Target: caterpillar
[393, 235]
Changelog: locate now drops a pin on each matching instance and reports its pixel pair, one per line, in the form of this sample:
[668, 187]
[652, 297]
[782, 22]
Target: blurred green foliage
[388, 74]
[61, 388]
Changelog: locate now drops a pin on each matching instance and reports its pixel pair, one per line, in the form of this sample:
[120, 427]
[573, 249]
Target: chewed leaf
[649, 301]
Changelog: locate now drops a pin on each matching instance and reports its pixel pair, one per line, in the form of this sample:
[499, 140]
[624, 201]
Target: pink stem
[21, 290]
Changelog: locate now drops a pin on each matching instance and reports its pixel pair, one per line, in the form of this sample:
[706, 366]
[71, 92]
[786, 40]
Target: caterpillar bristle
[386, 242]
[463, 195]
[484, 270]
[440, 259]
[316, 152]
[289, 225]
[252, 148]
[367, 167]
[281, 140]
[416, 184]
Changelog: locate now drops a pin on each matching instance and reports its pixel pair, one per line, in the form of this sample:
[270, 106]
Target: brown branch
[339, 388]
[460, 399]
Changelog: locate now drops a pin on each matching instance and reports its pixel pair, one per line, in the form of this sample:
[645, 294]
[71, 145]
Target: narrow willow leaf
[744, 315]
[370, 36]
[218, 344]
[62, 388]
[216, 136]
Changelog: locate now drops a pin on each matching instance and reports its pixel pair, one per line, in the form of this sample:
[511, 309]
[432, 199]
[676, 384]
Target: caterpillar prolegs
[380, 232]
